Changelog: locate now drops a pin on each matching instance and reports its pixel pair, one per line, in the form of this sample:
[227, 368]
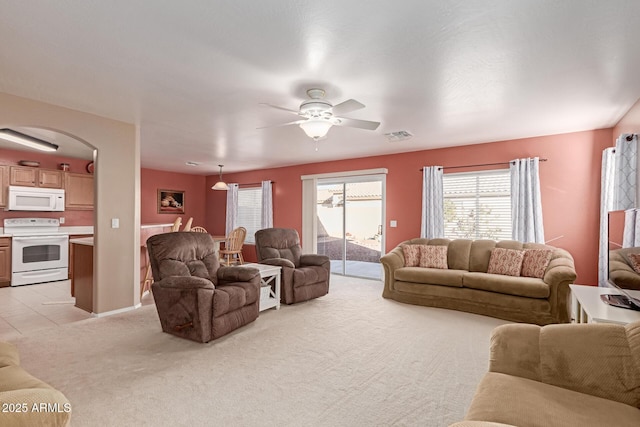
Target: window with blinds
[477, 205]
[250, 211]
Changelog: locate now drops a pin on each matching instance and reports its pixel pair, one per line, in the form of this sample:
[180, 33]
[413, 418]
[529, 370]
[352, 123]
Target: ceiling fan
[318, 115]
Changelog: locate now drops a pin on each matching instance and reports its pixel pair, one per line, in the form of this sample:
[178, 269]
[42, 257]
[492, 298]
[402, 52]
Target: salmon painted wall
[152, 180]
[570, 186]
[47, 161]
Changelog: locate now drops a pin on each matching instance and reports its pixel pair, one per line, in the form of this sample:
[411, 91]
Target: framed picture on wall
[171, 201]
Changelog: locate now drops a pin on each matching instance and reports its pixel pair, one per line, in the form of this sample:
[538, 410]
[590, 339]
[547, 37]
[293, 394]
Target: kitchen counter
[88, 241]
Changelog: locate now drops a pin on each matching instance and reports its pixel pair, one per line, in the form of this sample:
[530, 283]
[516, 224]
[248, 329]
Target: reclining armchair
[304, 276]
[195, 297]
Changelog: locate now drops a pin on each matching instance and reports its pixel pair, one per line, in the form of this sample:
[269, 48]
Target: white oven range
[39, 251]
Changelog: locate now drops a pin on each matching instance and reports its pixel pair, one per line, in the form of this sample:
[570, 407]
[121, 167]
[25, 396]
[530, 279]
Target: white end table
[590, 308]
[269, 275]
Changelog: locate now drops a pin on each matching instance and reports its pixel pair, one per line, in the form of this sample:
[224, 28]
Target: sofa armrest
[390, 263]
[237, 274]
[184, 282]
[314, 259]
[561, 269]
[282, 262]
[595, 359]
[515, 350]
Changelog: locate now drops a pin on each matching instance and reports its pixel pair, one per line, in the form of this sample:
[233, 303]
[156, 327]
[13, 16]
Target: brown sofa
[620, 272]
[195, 297]
[467, 286]
[27, 401]
[304, 276]
[583, 375]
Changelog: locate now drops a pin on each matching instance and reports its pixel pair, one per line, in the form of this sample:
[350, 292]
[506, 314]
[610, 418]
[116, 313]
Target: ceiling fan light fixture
[315, 128]
[220, 185]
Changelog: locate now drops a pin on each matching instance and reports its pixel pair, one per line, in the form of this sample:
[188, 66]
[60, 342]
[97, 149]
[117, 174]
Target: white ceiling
[193, 74]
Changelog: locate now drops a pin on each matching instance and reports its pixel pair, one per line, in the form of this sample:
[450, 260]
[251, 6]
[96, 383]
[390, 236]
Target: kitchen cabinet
[5, 261]
[82, 267]
[33, 177]
[78, 191]
[71, 257]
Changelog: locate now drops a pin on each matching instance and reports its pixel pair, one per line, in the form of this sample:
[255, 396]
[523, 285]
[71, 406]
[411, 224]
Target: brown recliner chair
[304, 276]
[195, 297]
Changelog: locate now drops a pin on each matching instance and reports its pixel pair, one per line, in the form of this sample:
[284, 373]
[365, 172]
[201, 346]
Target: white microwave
[35, 199]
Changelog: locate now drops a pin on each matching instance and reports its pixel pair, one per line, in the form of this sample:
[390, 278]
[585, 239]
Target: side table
[269, 275]
[590, 308]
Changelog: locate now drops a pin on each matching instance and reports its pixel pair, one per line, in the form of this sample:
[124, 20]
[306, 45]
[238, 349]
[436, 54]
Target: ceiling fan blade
[346, 107]
[297, 122]
[296, 112]
[355, 123]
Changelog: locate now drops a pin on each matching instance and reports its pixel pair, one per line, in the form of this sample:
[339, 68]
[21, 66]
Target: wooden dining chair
[232, 252]
[187, 226]
[198, 229]
[176, 224]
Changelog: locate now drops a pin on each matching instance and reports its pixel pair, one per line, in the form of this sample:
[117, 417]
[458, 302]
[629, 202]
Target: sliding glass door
[349, 224]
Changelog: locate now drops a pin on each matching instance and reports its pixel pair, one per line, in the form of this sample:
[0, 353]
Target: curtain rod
[478, 165]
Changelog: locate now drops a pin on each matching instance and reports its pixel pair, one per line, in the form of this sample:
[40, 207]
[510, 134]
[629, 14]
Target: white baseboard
[118, 311]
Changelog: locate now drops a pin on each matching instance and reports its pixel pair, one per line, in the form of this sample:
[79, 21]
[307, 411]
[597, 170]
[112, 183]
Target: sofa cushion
[411, 255]
[309, 275]
[433, 256]
[520, 286]
[431, 276]
[505, 261]
[519, 401]
[535, 262]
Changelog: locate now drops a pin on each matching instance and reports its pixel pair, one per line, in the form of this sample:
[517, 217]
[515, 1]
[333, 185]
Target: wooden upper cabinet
[49, 178]
[78, 191]
[34, 177]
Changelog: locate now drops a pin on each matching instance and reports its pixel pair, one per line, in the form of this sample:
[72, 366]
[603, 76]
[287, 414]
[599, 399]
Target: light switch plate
[115, 222]
[393, 223]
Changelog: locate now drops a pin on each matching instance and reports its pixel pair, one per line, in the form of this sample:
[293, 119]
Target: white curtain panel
[606, 205]
[267, 205]
[626, 164]
[526, 202]
[232, 208]
[432, 203]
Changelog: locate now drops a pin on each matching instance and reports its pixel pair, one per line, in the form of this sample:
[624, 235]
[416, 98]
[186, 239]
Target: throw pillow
[433, 256]
[411, 255]
[535, 262]
[634, 261]
[507, 262]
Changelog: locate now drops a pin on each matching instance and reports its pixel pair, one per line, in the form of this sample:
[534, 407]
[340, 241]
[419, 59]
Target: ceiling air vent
[400, 135]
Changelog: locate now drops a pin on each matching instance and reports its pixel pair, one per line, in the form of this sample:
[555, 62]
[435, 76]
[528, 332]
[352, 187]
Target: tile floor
[24, 309]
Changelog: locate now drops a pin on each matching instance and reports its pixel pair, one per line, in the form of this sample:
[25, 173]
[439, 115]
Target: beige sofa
[27, 401]
[467, 286]
[585, 375]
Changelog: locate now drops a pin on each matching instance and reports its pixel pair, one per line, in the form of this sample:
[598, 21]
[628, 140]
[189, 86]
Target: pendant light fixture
[220, 185]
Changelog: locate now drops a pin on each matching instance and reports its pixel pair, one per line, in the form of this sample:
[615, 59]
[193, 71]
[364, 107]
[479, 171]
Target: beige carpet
[350, 358]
